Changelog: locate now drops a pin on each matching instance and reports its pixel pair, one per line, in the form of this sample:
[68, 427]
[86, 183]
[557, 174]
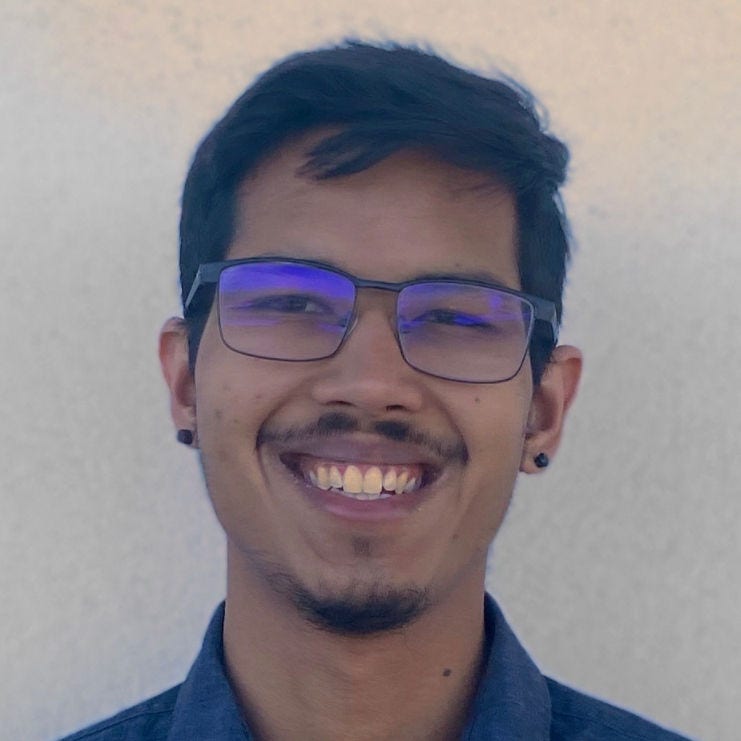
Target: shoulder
[579, 717]
[147, 721]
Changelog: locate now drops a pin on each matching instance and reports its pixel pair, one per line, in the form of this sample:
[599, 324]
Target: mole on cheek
[447, 672]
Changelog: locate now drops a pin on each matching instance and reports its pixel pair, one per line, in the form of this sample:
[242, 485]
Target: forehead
[410, 214]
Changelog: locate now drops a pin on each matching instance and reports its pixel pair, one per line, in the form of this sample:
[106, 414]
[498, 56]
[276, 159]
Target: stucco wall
[619, 567]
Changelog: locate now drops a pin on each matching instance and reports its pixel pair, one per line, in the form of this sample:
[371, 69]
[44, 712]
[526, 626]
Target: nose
[368, 372]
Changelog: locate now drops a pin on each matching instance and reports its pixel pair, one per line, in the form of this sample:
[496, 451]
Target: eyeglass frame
[209, 273]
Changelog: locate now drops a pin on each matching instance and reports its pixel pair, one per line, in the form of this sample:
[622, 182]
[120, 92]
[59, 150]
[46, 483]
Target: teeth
[322, 478]
[374, 484]
[373, 481]
[401, 482]
[389, 480]
[352, 481]
[335, 478]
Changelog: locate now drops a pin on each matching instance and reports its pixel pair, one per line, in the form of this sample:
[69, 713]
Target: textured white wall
[619, 567]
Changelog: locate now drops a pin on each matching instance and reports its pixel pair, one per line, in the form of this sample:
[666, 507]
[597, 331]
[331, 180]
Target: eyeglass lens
[293, 311]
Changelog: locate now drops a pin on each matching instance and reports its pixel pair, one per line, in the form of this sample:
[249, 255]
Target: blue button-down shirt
[515, 702]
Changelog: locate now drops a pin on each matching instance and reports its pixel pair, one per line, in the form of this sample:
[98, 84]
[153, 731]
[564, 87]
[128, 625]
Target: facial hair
[359, 609]
[356, 610]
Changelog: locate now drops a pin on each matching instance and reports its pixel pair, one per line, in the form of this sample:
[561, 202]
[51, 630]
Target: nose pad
[387, 314]
[380, 311]
[372, 330]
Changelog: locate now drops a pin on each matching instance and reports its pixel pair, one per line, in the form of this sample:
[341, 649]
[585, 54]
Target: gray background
[619, 567]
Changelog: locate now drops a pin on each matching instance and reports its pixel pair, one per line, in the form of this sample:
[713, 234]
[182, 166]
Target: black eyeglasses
[300, 310]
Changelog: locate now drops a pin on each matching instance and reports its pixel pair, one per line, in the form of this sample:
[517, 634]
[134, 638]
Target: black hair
[380, 99]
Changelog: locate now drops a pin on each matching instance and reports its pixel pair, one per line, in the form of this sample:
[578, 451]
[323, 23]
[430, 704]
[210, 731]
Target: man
[372, 262]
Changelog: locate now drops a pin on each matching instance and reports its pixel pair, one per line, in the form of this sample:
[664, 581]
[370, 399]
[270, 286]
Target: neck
[295, 681]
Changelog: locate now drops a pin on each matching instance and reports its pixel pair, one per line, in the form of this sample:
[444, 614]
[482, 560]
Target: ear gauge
[541, 460]
[185, 437]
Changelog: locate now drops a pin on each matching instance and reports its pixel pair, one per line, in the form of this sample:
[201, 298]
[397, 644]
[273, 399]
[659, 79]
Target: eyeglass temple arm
[545, 311]
[206, 275]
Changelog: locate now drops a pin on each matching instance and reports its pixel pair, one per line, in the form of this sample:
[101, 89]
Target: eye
[450, 318]
[287, 303]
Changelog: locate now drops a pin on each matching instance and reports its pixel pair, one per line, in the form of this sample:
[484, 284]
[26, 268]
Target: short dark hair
[381, 99]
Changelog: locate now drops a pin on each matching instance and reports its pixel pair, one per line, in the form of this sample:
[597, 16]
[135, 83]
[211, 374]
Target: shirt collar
[512, 701]
[206, 708]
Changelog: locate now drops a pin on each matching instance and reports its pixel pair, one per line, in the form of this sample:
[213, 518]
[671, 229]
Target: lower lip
[376, 510]
[386, 509]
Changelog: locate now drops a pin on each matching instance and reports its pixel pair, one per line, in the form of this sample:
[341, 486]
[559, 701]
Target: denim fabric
[515, 702]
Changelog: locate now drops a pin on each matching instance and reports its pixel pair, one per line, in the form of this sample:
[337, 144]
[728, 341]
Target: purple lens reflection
[284, 310]
[464, 332]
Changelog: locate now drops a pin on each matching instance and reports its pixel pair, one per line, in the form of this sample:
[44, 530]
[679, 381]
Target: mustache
[332, 424]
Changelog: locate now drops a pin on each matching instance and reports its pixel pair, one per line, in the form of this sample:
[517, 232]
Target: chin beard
[362, 612]
[356, 610]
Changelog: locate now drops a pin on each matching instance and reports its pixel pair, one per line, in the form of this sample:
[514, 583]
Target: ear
[551, 400]
[173, 352]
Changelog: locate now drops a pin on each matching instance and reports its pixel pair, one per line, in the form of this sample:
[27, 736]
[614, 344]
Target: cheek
[230, 411]
[233, 395]
[231, 408]
[494, 423]
[494, 430]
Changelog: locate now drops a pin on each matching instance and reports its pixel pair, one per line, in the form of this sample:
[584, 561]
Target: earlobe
[551, 401]
[173, 354]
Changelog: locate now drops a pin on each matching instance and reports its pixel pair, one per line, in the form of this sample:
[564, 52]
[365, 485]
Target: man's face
[265, 426]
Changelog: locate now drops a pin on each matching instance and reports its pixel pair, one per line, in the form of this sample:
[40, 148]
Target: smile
[361, 481]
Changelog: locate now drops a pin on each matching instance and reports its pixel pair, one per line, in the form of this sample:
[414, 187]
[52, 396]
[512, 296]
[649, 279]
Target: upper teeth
[373, 484]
